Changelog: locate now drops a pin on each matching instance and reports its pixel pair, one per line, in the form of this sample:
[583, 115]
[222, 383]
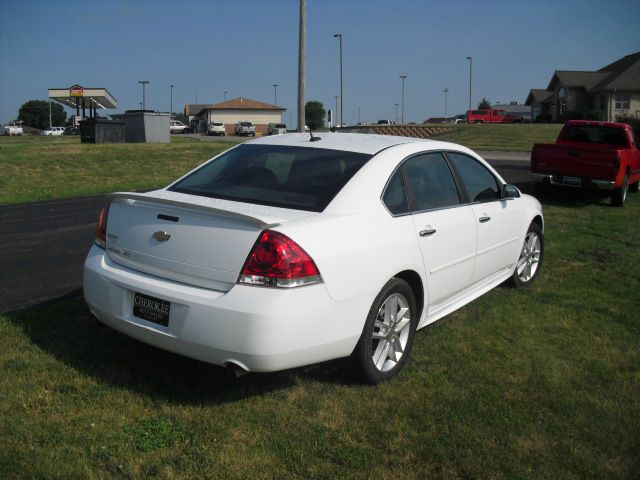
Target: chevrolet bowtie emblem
[161, 236]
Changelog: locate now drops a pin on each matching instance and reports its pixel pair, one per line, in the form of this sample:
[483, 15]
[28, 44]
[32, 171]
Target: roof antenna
[314, 139]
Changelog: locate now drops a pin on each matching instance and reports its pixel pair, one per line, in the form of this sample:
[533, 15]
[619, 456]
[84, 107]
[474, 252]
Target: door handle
[427, 232]
[484, 219]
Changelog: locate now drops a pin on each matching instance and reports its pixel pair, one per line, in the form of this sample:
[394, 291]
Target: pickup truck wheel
[619, 195]
[530, 260]
[634, 187]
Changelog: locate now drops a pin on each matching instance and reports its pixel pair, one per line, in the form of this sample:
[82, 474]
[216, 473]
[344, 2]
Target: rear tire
[387, 337]
[619, 195]
[530, 259]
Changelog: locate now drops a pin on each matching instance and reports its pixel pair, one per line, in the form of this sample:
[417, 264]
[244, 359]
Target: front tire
[387, 337]
[530, 260]
[619, 195]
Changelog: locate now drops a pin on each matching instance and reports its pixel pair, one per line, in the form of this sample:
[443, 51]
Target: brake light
[101, 228]
[278, 261]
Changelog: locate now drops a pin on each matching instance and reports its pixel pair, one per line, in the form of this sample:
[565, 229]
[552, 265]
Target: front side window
[622, 102]
[481, 184]
[430, 182]
[301, 178]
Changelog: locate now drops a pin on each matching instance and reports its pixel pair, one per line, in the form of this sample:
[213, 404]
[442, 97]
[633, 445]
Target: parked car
[53, 131]
[289, 250]
[277, 129]
[216, 128]
[385, 122]
[12, 130]
[492, 116]
[596, 155]
[71, 131]
[245, 128]
[458, 119]
[176, 126]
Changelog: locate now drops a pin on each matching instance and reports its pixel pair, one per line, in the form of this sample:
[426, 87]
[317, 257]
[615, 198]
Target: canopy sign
[76, 92]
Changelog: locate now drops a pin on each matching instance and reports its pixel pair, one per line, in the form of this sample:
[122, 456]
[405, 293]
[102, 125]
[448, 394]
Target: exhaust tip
[237, 370]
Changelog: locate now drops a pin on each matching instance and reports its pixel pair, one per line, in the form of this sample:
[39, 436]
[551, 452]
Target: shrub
[570, 115]
[632, 120]
[596, 115]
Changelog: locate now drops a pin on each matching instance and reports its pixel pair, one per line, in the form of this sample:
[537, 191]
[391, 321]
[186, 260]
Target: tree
[484, 104]
[35, 113]
[314, 113]
[181, 117]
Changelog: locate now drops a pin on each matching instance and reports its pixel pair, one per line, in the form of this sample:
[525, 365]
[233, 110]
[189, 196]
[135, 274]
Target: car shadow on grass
[567, 197]
[65, 328]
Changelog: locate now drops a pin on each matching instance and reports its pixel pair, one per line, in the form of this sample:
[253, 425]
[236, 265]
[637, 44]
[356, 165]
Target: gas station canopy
[78, 97]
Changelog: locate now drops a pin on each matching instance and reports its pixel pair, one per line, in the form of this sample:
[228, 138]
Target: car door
[444, 227]
[497, 220]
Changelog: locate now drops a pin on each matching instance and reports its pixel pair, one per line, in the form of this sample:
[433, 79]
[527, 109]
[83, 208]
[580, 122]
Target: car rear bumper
[563, 180]
[258, 329]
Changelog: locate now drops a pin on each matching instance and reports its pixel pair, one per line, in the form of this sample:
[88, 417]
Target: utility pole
[445, 91]
[302, 60]
[396, 113]
[144, 99]
[275, 94]
[339, 36]
[171, 112]
[402, 77]
[470, 78]
[358, 114]
[225, 95]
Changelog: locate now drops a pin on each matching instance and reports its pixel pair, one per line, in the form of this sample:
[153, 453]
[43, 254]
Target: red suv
[492, 116]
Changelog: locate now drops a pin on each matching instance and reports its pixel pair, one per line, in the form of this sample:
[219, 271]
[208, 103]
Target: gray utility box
[145, 126]
[101, 130]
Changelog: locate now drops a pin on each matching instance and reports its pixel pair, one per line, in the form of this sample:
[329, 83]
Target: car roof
[350, 142]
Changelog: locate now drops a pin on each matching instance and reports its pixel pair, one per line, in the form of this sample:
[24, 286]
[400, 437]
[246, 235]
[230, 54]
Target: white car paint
[357, 245]
[53, 131]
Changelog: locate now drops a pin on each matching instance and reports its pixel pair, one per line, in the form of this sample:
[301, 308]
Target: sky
[205, 48]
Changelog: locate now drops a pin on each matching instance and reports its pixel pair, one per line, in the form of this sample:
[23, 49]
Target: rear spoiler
[130, 198]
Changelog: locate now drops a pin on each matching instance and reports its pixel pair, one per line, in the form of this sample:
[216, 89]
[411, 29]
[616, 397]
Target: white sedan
[296, 249]
[53, 131]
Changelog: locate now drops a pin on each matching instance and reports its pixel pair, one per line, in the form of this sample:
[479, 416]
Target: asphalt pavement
[43, 244]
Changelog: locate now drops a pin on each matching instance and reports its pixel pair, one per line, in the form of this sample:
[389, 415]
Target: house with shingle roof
[232, 111]
[605, 94]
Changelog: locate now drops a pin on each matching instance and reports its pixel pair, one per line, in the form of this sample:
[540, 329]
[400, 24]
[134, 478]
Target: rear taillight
[278, 261]
[101, 228]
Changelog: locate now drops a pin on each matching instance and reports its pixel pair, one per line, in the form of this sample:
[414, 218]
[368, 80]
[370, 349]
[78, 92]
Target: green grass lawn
[43, 168]
[511, 137]
[537, 383]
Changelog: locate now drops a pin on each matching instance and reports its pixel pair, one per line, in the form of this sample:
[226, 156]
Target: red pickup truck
[588, 154]
[492, 116]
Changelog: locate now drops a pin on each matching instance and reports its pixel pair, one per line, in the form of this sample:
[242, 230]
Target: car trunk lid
[190, 239]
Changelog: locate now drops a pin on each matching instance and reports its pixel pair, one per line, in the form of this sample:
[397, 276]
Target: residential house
[605, 94]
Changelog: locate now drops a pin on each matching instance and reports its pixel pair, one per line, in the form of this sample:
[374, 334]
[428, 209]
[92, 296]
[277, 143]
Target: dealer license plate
[151, 309]
[573, 181]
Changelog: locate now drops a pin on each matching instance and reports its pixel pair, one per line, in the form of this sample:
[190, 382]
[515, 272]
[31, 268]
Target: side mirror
[509, 191]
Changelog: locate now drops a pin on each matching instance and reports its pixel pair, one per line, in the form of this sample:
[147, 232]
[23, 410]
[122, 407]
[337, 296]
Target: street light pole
[358, 114]
[402, 117]
[339, 35]
[396, 113]
[144, 99]
[336, 115]
[302, 64]
[275, 94]
[445, 91]
[470, 78]
[171, 112]
[225, 95]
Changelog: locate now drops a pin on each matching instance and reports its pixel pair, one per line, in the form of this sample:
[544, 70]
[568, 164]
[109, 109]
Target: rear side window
[430, 182]
[301, 178]
[395, 196]
[594, 134]
[481, 184]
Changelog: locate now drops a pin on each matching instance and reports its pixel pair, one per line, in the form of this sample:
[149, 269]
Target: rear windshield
[594, 134]
[300, 178]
